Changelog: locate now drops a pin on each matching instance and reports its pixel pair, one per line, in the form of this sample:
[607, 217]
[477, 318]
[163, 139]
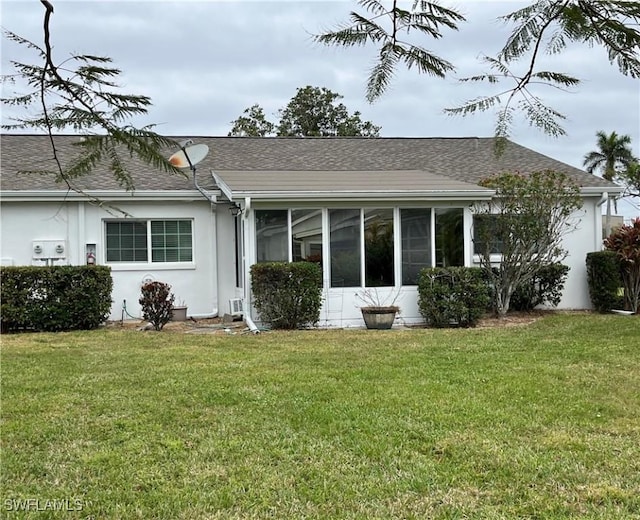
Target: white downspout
[598, 216]
[248, 253]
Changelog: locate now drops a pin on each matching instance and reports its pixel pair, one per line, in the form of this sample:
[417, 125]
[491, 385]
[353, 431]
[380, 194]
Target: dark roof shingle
[463, 159]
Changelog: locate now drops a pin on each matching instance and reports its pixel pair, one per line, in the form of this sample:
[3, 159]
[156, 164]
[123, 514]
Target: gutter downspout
[247, 291]
[607, 224]
[212, 200]
[251, 324]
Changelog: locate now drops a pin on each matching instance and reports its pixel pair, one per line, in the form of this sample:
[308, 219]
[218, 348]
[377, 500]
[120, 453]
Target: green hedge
[545, 288]
[287, 295]
[452, 296]
[605, 280]
[55, 298]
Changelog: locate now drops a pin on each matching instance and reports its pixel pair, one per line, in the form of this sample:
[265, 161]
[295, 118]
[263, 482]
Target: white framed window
[155, 241]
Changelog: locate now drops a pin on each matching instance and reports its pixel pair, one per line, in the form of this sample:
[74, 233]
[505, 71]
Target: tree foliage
[81, 93]
[625, 242]
[543, 26]
[312, 112]
[530, 216]
[253, 123]
[631, 178]
[384, 27]
[612, 156]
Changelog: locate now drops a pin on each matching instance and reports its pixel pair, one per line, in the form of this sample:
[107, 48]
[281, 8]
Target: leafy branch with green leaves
[384, 27]
[81, 93]
[544, 26]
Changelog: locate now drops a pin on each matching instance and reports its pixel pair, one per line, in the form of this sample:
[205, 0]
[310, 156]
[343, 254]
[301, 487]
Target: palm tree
[613, 154]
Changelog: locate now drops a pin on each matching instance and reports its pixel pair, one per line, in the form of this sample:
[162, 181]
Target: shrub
[287, 295]
[452, 296]
[544, 289]
[157, 303]
[603, 276]
[625, 242]
[55, 298]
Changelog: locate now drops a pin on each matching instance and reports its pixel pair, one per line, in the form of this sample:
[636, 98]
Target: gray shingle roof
[333, 184]
[465, 160]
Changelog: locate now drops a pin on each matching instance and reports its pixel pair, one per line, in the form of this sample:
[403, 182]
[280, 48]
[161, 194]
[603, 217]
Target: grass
[540, 421]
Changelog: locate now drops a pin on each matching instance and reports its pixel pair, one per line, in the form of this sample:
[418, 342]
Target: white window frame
[115, 264]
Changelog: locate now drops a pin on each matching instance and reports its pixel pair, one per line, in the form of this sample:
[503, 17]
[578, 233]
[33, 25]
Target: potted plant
[377, 312]
[179, 311]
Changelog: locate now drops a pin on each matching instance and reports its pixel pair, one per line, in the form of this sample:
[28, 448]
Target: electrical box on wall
[90, 253]
[49, 250]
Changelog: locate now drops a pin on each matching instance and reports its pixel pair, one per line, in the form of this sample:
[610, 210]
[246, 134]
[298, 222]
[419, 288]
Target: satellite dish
[196, 153]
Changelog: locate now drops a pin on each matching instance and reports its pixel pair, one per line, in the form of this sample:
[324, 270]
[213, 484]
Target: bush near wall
[625, 242]
[287, 295]
[605, 281]
[452, 296]
[544, 289]
[55, 298]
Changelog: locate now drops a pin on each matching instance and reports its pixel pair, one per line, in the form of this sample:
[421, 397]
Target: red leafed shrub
[625, 242]
[157, 303]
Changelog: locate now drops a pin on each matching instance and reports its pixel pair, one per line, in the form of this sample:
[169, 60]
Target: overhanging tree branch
[88, 102]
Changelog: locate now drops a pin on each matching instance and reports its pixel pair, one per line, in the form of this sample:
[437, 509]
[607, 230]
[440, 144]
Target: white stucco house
[260, 199]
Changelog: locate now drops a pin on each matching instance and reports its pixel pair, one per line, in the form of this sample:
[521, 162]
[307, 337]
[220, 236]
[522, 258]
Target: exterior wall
[208, 283]
[341, 305]
[585, 239]
[79, 223]
[22, 223]
[226, 259]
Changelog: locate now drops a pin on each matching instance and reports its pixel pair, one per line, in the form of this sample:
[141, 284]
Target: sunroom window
[306, 235]
[378, 247]
[344, 229]
[449, 237]
[415, 230]
[362, 241]
[272, 231]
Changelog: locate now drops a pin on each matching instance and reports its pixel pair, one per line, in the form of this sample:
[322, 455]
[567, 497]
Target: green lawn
[539, 421]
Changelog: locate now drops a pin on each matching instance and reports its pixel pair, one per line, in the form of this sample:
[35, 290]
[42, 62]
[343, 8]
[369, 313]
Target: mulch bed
[218, 326]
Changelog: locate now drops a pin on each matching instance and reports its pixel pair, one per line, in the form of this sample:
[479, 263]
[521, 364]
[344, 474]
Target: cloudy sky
[203, 62]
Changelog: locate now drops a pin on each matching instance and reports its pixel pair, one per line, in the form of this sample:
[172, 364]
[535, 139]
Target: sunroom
[370, 231]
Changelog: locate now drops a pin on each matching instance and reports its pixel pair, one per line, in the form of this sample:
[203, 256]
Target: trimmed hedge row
[287, 295]
[55, 298]
[544, 289]
[605, 280]
[452, 296]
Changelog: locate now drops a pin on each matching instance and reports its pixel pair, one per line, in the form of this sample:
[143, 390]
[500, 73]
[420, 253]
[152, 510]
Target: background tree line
[311, 112]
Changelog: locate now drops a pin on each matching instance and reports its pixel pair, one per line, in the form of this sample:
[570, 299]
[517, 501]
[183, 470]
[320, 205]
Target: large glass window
[449, 237]
[485, 235]
[344, 227]
[272, 231]
[306, 235]
[416, 243]
[160, 240]
[378, 247]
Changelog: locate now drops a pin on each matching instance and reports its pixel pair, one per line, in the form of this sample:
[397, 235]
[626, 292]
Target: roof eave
[592, 191]
[426, 195]
[106, 195]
